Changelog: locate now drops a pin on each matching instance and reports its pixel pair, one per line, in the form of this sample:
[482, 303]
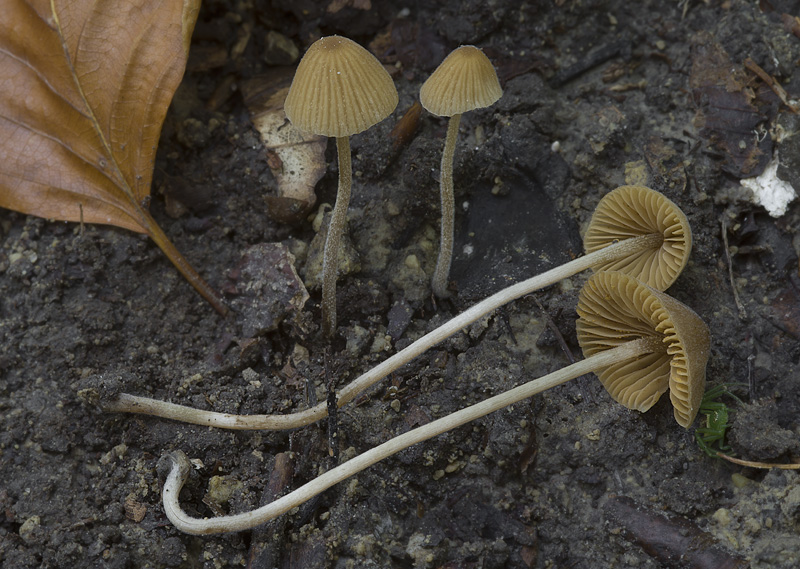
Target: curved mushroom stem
[180, 466]
[330, 256]
[126, 403]
[442, 272]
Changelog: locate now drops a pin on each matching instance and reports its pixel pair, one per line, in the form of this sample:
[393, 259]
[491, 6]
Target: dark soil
[597, 94]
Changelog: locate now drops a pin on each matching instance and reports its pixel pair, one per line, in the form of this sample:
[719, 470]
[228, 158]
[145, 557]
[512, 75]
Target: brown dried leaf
[731, 115]
[86, 85]
[791, 24]
[86, 93]
[135, 510]
[406, 128]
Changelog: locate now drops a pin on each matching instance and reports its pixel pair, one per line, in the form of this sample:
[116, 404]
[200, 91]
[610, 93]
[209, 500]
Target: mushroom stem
[180, 466]
[125, 403]
[442, 272]
[330, 256]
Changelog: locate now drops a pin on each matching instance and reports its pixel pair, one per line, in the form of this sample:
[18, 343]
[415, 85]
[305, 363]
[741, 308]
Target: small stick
[556, 332]
[739, 305]
[751, 464]
[774, 85]
[180, 466]
[673, 541]
[333, 414]
[126, 403]
[266, 542]
[563, 344]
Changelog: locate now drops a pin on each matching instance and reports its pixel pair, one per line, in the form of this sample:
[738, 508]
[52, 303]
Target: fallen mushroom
[615, 309]
[464, 81]
[634, 229]
[339, 89]
[639, 340]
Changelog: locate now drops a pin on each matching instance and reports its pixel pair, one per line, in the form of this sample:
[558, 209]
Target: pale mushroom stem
[330, 256]
[180, 466]
[442, 272]
[125, 403]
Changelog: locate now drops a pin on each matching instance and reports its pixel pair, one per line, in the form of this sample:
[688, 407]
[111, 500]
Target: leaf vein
[61, 143]
[43, 78]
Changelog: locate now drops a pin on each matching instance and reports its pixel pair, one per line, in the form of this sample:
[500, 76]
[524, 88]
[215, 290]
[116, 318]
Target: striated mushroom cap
[464, 81]
[630, 211]
[614, 308]
[339, 89]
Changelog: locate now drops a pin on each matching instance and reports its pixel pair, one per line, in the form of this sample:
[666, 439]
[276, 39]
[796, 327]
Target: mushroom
[464, 81]
[639, 340]
[339, 89]
[614, 309]
[634, 229]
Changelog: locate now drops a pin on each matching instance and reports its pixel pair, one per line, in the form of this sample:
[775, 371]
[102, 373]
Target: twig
[670, 540]
[126, 403]
[599, 56]
[752, 464]
[739, 305]
[751, 384]
[774, 85]
[563, 344]
[267, 542]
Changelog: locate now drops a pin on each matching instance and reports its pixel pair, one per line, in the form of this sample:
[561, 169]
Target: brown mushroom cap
[339, 89]
[615, 308]
[630, 211]
[464, 81]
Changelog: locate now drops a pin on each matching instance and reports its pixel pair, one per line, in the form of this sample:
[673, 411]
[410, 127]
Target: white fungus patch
[770, 191]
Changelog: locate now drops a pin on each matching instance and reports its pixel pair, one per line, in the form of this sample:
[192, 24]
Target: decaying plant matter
[669, 538]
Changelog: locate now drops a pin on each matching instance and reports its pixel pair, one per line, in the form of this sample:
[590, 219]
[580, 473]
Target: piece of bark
[672, 540]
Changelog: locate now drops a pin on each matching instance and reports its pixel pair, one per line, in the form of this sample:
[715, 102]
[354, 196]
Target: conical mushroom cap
[339, 89]
[464, 81]
[615, 308]
[630, 211]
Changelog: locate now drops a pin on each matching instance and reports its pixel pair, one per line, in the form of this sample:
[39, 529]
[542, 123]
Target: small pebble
[412, 262]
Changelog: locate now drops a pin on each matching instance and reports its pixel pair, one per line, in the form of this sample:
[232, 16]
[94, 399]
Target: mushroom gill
[631, 211]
